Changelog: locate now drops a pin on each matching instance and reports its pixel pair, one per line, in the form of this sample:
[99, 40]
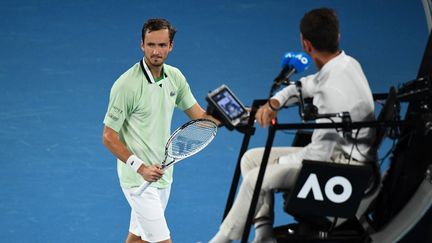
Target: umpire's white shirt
[339, 86]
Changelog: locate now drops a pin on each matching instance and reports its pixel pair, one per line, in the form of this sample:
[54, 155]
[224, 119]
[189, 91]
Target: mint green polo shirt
[141, 110]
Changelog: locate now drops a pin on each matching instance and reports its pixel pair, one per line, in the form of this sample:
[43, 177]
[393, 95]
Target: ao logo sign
[302, 59]
[299, 56]
[312, 184]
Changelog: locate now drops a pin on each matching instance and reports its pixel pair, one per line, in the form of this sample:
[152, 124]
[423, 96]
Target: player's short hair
[158, 24]
[321, 27]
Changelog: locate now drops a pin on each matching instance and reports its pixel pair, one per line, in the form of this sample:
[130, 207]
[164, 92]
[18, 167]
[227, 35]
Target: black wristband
[271, 107]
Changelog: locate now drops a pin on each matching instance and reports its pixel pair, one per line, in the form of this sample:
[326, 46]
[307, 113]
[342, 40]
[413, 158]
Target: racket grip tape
[141, 188]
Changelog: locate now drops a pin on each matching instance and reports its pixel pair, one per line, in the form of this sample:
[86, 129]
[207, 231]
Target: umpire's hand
[268, 112]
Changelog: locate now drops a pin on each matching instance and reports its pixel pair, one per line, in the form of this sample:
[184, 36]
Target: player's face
[156, 46]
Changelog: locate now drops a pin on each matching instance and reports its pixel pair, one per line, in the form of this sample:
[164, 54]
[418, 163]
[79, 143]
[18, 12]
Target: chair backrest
[387, 113]
[319, 183]
[328, 189]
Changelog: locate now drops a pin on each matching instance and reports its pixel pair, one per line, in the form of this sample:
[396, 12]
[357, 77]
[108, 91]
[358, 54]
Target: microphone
[292, 62]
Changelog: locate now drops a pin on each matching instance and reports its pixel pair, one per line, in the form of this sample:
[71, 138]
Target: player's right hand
[151, 173]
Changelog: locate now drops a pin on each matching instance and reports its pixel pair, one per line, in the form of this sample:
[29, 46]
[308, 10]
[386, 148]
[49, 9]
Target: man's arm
[112, 141]
[266, 113]
[196, 112]
[287, 96]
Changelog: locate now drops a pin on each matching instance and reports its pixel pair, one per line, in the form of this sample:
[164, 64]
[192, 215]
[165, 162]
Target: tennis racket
[184, 142]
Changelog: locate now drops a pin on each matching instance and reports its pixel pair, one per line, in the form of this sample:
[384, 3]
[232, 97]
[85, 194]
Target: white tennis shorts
[147, 213]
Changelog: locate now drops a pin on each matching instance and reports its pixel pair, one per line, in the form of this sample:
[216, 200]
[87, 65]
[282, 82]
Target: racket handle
[141, 188]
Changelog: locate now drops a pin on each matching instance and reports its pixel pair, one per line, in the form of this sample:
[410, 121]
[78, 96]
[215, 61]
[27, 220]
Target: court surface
[58, 60]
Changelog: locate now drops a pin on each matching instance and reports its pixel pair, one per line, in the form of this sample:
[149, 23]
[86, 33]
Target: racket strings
[191, 139]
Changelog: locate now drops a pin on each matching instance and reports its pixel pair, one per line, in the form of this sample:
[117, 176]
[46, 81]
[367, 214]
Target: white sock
[263, 231]
[220, 238]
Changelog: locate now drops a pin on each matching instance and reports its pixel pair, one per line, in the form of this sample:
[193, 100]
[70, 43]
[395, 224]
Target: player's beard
[156, 61]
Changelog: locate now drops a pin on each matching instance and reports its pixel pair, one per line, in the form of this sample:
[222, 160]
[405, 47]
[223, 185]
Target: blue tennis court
[59, 59]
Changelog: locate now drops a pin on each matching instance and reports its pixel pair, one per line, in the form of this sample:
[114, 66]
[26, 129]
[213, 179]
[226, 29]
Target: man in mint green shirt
[137, 126]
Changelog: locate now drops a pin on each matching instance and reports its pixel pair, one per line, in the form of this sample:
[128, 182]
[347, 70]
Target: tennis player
[137, 126]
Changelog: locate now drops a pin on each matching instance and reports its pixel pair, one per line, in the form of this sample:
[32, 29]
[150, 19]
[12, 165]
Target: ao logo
[302, 59]
[312, 184]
